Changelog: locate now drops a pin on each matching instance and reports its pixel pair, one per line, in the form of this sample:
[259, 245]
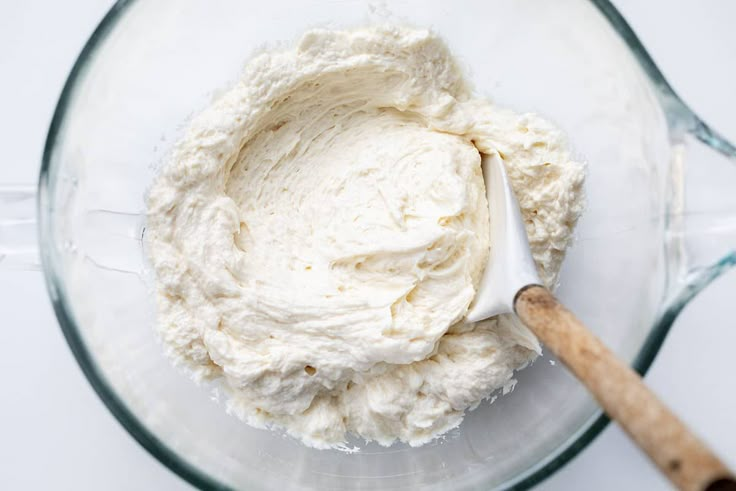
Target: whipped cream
[320, 230]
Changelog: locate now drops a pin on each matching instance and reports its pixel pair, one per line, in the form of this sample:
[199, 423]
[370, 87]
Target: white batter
[320, 230]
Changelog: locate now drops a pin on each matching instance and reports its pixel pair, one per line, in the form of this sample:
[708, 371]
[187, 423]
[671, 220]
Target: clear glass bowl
[641, 250]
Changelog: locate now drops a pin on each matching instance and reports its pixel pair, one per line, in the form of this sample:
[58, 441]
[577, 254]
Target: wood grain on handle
[620, 391]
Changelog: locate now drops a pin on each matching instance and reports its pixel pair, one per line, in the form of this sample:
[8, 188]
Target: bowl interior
[153, 64]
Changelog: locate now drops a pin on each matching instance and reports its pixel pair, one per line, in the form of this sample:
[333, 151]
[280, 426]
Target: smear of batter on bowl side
[320, 230]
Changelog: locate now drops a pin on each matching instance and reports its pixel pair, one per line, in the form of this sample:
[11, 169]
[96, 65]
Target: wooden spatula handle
[620, 391]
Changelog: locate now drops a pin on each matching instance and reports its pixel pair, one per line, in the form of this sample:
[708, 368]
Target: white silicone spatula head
[510, 264]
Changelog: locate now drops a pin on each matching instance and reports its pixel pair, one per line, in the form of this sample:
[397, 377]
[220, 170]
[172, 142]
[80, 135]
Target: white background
[56, 434]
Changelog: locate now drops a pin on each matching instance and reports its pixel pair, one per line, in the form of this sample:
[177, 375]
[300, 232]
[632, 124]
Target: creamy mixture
[320, 231]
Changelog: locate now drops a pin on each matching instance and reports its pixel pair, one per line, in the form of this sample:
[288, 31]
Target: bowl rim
[586, 433]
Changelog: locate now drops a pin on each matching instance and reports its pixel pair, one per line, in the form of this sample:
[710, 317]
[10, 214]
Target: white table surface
[56, 434]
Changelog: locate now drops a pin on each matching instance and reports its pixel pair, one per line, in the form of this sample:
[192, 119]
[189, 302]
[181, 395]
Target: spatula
[511, 284]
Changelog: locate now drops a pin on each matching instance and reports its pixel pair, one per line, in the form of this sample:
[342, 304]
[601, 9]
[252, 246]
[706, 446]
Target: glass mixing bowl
[643, 248]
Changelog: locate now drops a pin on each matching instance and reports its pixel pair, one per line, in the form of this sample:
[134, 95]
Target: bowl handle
[701, 209]
[18, 228]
